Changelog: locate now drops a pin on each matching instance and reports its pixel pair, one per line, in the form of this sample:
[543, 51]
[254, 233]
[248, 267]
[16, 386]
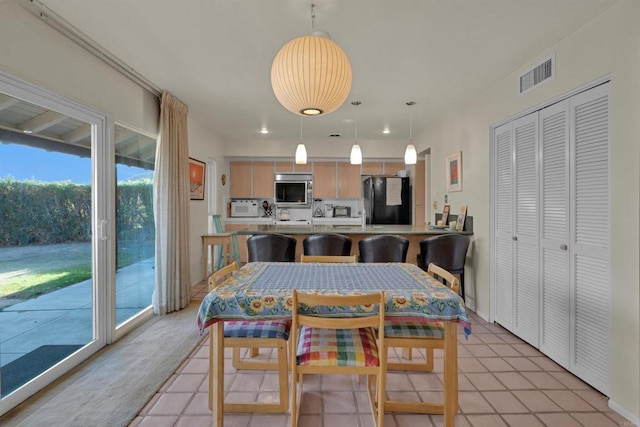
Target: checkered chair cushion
[337, 347]
[257, 328]
[408, 329]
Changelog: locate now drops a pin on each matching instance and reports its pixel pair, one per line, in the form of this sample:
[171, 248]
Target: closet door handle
[514, 238]
[563, 247]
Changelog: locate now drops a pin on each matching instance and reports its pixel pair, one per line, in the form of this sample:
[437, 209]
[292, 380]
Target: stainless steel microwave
[293, 189]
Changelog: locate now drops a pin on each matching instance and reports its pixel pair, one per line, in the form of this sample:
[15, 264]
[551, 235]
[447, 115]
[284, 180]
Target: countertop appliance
[244, 208]
[293, 189]
[387, 200]
[342, 211]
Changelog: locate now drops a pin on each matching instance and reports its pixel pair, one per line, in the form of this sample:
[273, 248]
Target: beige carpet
[113, 385]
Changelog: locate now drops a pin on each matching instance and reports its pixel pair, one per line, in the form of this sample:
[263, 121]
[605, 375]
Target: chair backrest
[448, 251]
[450, 279]
[271, 248]
[327, 244]
[221, 275]
[383, 249]
[329, 258]
[368, 316]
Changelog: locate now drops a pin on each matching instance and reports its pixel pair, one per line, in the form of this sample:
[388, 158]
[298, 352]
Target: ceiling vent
[542, 72]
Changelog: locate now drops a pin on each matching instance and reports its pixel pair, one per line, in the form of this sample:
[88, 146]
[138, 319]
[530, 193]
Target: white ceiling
[215, 55]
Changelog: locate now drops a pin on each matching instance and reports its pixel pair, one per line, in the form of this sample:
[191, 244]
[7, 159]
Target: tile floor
[503, 382]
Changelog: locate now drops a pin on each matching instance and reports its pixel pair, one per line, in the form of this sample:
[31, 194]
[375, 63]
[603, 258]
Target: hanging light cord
[313, 18]
[410, 104]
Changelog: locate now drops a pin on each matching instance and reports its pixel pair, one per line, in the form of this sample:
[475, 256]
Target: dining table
[263, 291]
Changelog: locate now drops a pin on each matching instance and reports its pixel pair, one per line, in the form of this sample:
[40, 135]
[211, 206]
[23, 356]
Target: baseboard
[633, 419]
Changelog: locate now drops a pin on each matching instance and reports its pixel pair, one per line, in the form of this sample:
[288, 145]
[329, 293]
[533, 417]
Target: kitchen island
[414, 233]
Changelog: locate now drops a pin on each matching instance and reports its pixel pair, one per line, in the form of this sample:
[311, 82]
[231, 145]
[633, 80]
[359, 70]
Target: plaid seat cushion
[407, 329]
[257, 328]
[337, 347]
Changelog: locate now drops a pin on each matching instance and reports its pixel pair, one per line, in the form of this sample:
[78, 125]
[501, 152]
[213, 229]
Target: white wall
[204, 146]
[32, 51]
[610, 44]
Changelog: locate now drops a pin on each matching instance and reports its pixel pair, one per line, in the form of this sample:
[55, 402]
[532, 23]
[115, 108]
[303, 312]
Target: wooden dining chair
[408, 335]
[334, 342]
[254, 334]
[345, 259]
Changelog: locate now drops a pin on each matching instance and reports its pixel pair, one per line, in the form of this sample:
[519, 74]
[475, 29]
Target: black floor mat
[18, 372]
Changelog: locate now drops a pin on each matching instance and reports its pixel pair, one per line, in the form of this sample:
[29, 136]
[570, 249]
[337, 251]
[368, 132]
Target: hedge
[35, 212]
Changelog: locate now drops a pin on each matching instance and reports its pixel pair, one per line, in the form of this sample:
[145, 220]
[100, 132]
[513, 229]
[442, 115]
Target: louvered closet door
[589, 234]
[554, 233]
[526, 285]
[503, 257]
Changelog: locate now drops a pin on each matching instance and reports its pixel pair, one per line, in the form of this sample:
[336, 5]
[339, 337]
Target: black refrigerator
[387, 200]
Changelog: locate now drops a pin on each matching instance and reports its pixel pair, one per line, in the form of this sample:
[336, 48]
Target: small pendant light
[410, 155]
[356, 153]
[301, 151]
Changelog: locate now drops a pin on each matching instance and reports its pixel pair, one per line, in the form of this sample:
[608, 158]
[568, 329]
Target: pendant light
[301, 151]
[311, 75]
[356, 153]
[410, 155]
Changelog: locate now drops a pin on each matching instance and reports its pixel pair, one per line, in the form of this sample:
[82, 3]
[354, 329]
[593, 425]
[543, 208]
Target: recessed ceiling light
[264, 131]
[386, 131]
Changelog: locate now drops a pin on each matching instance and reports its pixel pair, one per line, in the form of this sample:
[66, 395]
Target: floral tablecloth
[263, 290]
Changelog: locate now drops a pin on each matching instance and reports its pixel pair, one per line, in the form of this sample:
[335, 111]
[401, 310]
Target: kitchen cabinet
[324, 179]
[303, 168]
[263, 179]
[348, 180]
[391, 168]
[372, 168]
[240, 179]
[419, 196]
[284, 166]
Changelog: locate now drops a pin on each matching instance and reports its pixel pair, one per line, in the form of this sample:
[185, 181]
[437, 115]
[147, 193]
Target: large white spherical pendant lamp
[311, 76]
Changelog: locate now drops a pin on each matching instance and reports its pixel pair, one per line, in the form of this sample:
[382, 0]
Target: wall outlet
[435, 204]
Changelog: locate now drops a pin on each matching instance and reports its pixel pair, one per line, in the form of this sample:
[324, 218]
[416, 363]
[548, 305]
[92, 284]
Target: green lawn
[32, 271]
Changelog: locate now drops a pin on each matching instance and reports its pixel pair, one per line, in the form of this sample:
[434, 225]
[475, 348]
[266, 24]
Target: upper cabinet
[331, 179]
[348, 180]
[391, 168]
[324, 179]
[284, 166]
[240, 179]
[263, 179]
[372, 168]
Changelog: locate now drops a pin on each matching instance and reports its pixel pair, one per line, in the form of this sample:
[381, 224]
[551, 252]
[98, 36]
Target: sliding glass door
[54, 239]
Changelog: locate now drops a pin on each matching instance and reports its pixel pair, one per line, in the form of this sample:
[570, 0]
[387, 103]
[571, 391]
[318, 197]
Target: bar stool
[218, 227]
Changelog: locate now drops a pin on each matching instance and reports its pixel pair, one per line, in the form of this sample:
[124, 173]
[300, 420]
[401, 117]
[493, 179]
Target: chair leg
[462, 285]
[407, 353]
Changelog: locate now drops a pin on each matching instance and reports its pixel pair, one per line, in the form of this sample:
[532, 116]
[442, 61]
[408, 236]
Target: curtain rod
[64, 27]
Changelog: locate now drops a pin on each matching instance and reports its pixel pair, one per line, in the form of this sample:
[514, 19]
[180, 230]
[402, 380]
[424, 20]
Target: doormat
[18, 372]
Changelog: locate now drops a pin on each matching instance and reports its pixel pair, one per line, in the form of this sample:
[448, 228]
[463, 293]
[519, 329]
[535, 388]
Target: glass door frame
[102, 225]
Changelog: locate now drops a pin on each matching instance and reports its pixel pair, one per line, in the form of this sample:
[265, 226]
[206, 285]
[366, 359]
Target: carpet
[18, 372]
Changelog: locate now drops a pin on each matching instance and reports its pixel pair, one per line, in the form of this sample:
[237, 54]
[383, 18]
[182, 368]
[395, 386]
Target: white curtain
[171, 208]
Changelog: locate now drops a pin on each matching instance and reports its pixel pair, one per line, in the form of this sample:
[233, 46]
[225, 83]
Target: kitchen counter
[346, 229]
[356, 232]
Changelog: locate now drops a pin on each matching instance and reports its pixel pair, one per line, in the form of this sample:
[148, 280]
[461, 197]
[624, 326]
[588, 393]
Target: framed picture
[445, 214]
[453, 169]
[196, 179]
[461, 217]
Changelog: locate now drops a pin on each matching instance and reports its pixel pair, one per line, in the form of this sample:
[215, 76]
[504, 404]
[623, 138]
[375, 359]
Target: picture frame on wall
[453, 169]
[461, 217]
[197, 176]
